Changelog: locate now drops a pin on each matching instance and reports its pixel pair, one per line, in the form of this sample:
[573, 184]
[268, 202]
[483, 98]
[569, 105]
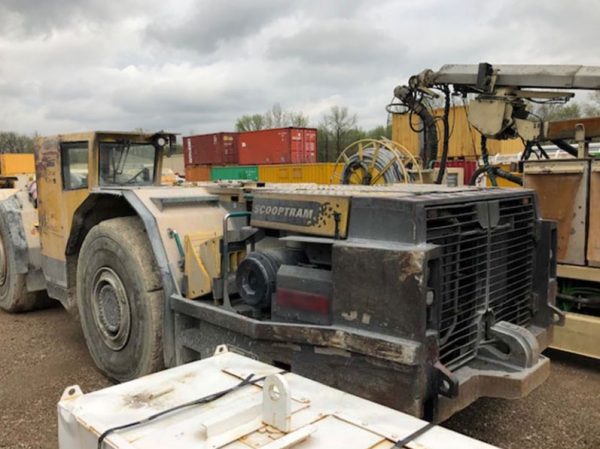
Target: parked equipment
[567, 188]
[233, 401]
[422, 287]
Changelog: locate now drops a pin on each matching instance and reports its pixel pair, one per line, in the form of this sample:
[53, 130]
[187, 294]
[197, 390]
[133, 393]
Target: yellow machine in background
[16, 164]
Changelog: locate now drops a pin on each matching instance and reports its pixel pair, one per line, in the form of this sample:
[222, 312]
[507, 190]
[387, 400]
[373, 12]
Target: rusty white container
[279, 410]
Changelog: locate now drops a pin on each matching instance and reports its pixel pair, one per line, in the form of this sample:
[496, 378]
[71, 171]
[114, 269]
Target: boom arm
[499, 110]
[513, 76]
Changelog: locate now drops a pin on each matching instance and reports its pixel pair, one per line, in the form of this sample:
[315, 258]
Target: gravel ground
[43, 352]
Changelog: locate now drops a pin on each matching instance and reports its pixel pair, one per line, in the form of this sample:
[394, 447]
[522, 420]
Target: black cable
[204, 400]
[444, 158]
[486, 161]
[413, 436]
[542, 151]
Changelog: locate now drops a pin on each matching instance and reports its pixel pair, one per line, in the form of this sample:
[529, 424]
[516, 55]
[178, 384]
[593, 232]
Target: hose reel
[372, 161]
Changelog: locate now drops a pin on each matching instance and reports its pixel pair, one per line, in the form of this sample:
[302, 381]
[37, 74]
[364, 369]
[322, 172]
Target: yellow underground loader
[419, 297]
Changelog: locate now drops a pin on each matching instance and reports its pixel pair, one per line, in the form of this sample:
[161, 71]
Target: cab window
[74, 157]
[127, 163]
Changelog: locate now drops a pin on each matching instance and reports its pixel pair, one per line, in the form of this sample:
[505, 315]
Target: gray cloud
[337, 43]
[34, 17]
[69, 65]
[215, 22]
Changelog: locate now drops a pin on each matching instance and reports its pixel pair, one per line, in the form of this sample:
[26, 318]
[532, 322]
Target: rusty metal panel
[565, 129]
[561, 186]
[593, 251]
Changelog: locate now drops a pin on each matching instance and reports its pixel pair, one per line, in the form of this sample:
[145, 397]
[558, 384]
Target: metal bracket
[558, 316]
[277, 403]
[582, 143]
[72, 392]
[515, 345]
[447, 383]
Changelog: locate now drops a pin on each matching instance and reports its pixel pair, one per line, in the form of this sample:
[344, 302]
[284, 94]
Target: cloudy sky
[194, 66]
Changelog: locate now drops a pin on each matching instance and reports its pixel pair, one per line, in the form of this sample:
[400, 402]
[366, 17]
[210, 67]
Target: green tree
[380, 132]
[11, 142]
[341, 127]
[297, 120]
[275, 117]
[252, 122]
[552, 112]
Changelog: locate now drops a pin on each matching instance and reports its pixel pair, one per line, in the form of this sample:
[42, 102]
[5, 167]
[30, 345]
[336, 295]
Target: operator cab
[125, 162]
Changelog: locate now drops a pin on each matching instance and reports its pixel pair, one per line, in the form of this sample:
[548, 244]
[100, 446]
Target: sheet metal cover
[321, 417]
[310, 214]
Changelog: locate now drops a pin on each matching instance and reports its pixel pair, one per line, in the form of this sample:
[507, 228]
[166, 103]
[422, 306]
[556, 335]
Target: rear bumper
[389, 371]
[497, 379]
[476, 383]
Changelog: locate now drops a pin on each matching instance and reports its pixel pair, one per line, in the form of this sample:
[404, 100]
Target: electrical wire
[204, 400]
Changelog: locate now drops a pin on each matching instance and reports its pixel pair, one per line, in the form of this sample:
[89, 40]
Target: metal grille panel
[485, 271]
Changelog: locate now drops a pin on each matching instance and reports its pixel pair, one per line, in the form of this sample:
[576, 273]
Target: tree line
[336, 129]
[11, 142]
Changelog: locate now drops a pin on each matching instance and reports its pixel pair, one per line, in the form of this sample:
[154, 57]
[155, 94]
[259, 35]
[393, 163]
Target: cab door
[62, 171]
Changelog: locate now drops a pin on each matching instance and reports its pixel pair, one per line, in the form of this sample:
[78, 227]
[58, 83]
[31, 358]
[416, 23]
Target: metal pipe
[225, 256]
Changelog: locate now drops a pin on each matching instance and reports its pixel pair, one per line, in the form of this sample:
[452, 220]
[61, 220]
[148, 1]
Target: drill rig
[500, 107]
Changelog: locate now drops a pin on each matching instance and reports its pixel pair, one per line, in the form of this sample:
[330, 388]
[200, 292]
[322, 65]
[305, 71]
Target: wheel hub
[110, 307]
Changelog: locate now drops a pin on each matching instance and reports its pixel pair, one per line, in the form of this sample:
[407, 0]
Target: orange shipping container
[197, 173]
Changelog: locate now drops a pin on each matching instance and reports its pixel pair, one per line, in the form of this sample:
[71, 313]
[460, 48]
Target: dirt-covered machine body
[418, 297]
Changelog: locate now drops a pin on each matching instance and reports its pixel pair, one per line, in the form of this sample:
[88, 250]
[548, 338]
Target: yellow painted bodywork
[57, 205]
[322, 215]
[16, 164]
[202, 262]
[194, 219]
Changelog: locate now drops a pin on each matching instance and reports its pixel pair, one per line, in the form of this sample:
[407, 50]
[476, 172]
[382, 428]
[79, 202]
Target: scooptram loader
[420, 297]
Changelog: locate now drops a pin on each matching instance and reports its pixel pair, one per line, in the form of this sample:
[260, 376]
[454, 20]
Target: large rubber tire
[120, 299]
[14, 296]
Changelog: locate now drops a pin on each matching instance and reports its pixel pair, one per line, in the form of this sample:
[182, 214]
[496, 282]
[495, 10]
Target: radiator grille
[483, 271]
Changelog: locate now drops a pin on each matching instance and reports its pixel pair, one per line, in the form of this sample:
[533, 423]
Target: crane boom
[522, 76]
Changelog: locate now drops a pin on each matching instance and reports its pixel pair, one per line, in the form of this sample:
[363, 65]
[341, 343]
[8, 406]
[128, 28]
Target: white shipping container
[289, 412]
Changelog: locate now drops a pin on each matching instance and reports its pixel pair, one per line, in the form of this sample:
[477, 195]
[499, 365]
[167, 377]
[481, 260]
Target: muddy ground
[43, 352]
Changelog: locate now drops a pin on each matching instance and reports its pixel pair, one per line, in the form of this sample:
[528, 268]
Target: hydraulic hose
[444, 159]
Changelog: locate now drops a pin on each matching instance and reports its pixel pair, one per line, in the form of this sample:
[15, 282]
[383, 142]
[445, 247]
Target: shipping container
[232, 172]
[319, 173]
[197, 173]
[468, 166]
[232, 401]
[277, 146]
[208, 149]
[16, 163]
